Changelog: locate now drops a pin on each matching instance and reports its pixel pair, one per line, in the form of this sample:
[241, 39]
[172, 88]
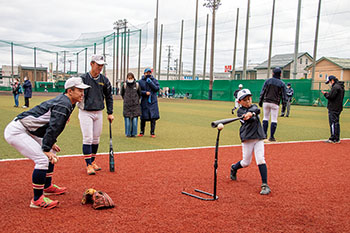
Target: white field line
[176, 149]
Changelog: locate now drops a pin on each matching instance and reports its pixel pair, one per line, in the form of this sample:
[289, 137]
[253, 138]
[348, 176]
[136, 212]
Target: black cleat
[233, 173]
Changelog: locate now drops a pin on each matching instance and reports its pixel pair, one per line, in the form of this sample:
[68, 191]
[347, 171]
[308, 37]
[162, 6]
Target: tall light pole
[246, 43]
[296, 46]
[316, 39]
[119, 24]
[155, 41]
[233, 73]
[271, 34]
[195, 43]
[213, 5]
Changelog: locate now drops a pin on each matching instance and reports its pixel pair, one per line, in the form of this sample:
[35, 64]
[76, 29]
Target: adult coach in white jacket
[90, 110]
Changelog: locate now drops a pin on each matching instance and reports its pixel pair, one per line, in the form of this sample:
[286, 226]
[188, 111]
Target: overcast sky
[61, 20]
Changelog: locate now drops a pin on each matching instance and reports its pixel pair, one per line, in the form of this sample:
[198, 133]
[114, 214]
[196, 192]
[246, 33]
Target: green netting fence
[223, 90]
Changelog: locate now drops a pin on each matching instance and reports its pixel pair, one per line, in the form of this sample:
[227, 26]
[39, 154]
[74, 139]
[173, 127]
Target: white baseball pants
[250, 146]
[91, 126]
[270, 109]
[27, 144]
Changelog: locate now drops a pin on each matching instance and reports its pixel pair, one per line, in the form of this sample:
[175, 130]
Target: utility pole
[56, 65]
[64, 63]
[34, 64]
[77, 62]
[155, 41]
[160, 51]
[176, 65]
[85, 60]
[124, 53]
[295, 72]
[214, 5]
[316, 40]
[205, 47]
[104, 55]
[169, 57]
[70, 66]
[12, 72]
[246, 43]
[181, 40]
[233, 73]
[271, 35]
[139, 61]
[195, 43]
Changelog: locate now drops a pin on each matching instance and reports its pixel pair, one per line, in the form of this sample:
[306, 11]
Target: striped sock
[49, 174]
[38, 181]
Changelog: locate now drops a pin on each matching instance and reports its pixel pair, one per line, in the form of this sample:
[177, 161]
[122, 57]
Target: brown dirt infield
[309, 182]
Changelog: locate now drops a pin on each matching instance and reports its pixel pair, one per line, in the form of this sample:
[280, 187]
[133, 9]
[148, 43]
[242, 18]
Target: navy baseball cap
[288, 84]
[243, 93]
[147, 70]
[331, 77]
[277, 70]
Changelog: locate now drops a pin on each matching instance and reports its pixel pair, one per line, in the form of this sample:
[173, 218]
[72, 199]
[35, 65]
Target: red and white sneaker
[54, 190]
[43, 203]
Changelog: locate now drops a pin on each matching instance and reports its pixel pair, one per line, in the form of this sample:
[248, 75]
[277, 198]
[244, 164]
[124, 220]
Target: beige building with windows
[286, 63]
[326, 66]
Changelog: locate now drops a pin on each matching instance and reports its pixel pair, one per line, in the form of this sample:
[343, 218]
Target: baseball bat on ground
[214, 124]
[111, 153]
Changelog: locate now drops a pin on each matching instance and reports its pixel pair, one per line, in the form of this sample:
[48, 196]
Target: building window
[306, 61]
[320, 75]
[301, 61]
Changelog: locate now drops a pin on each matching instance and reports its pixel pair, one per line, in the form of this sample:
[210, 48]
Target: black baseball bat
[111, 153]
[214, 124]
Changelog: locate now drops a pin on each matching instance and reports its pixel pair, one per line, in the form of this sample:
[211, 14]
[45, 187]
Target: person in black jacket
[90, 110]
[252, 137]
[273, 91]
[34, 134]
[289, 94]
[335, 107]
[240, 86]
[27, 86]
[131, 94]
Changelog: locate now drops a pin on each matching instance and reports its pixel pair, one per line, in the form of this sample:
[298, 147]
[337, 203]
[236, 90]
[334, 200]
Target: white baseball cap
[75, 82]
[240, 85]
[243, 93]
[99, 59]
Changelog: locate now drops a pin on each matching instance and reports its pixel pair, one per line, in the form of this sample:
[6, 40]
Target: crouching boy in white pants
[34, 134]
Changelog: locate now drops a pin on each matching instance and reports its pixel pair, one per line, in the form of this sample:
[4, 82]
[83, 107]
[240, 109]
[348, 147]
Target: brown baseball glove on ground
[98, 199]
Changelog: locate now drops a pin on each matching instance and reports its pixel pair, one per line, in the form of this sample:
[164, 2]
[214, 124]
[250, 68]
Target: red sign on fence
[228, 68]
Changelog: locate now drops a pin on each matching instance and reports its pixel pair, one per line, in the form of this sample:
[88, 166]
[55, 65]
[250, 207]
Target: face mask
[148, 76]
[130, 80]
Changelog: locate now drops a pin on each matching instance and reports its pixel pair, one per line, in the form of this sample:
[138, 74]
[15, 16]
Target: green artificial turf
[183, 123]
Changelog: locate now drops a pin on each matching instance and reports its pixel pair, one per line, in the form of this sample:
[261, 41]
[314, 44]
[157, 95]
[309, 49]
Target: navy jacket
[94, 97]
[273, 91]
[48, 119]
[250, 129]
[149, 104]
[27, 86]
[131, 93]
[335, 97]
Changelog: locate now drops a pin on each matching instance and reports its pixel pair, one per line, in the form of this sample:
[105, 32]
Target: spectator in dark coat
[149, 102]
[335, 106]
[27, 86]
[131, 93]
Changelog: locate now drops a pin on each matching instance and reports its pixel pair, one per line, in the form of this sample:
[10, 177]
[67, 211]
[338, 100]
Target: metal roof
[280, 60]
[342, 62]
